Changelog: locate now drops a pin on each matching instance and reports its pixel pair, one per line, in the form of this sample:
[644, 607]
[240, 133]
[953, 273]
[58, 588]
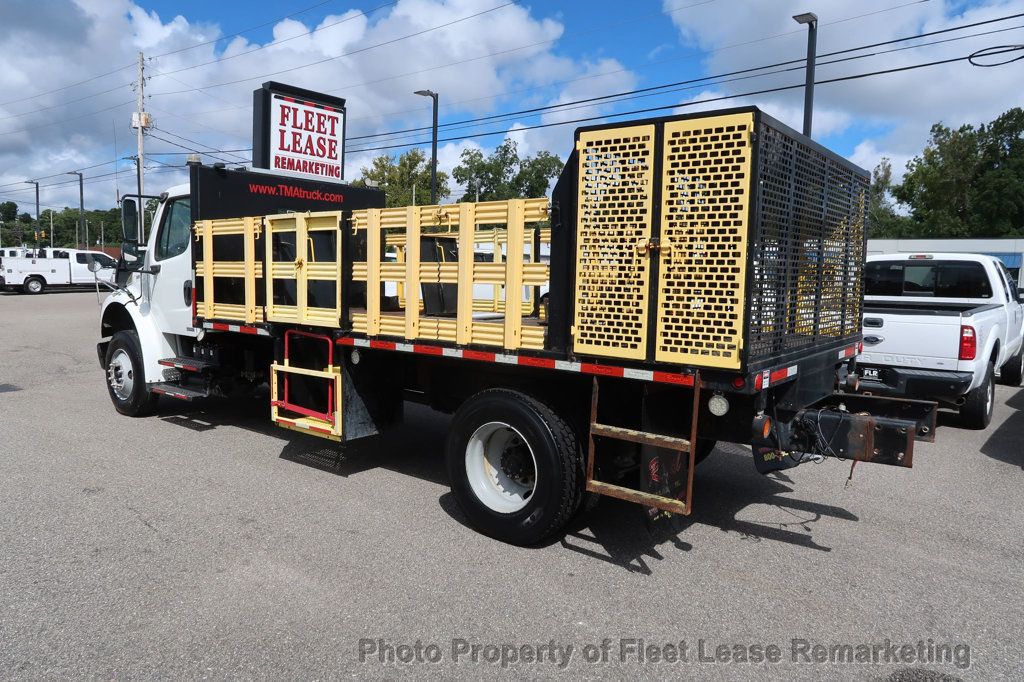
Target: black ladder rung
[176, 391]
[643, 437]
[187, 364]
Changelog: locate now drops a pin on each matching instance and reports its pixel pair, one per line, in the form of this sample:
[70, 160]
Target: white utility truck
[55, 268]
[938, 326]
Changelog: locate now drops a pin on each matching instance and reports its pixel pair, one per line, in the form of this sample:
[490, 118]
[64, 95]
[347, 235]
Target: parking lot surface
[204, 542]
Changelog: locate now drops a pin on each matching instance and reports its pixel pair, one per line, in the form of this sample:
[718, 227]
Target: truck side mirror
[130, 220]
[94, 265]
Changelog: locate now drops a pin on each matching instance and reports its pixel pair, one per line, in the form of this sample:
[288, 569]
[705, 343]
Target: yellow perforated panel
[614, 218]
[704, 227]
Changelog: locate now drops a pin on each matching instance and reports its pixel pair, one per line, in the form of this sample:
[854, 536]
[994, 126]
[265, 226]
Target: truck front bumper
[923, 384]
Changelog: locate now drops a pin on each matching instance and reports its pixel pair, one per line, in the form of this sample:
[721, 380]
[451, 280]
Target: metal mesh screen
[705, 201]
[809, 250]
[612, 276]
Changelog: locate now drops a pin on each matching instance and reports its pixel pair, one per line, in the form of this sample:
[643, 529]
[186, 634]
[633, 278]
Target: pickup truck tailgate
[899, 339]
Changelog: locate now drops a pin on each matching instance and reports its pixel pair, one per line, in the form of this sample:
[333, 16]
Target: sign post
[298, 132]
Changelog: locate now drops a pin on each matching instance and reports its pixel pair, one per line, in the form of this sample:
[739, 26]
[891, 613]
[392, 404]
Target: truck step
[642, 437]
[176, 391]
[187, 364]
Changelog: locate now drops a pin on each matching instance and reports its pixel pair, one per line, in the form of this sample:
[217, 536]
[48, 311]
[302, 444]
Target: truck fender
[121, 314]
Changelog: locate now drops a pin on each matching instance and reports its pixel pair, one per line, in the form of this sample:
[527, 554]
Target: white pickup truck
[54, 267]
[938, 327]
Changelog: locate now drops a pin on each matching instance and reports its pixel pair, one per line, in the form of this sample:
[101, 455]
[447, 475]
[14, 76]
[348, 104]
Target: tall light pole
[81, 207]
[811, 19]
[36, 183]
[433, 146]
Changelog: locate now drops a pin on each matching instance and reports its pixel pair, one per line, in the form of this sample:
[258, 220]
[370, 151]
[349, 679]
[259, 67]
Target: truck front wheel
[516, 467]
[34, 285]
[126, 376]
[976, 412]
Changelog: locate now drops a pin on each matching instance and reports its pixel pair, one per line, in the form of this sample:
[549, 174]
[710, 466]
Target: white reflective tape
[362, 343]
[451, 352]
[566, 366]
[234, 328]
[642, 374]
[404, 347]
[507, 359]
[791, 370]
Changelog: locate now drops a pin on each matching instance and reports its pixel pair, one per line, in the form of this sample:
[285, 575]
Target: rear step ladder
[188, 364]
[676, 490]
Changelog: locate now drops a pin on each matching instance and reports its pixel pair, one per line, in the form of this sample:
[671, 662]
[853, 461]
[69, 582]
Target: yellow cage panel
[614, 221]
[303, 251]
[227, 280]
[705, 213]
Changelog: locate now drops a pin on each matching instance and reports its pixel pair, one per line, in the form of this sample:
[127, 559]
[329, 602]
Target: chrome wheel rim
[121, 375]
[501, 467]
[34, 286]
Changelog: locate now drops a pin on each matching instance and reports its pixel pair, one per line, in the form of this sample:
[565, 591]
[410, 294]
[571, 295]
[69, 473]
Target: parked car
[938, 327]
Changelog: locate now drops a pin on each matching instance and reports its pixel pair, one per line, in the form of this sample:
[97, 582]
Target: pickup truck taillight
[968, 343]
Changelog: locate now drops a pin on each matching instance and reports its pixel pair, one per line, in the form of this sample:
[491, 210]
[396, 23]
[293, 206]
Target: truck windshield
[941, 279]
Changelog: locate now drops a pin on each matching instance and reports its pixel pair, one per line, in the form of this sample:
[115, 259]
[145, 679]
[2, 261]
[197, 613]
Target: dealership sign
[298, 132]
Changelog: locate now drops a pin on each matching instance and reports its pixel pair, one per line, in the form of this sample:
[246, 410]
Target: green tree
[8, 211]
[968, 182]
[883, 220]
[504, 175]
[398, 177]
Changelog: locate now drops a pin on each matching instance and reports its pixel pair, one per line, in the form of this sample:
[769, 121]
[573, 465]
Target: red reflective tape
[536, 362]
[249, 330]
[427, 350]
[319, 429]
[221, 327]
[670, 378]
[602, 370]
[478, 355]
[779, 374]
[347, 341]
[383, 345]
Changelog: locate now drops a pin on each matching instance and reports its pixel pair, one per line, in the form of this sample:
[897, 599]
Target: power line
[666, 88]
[685, 104]
[212, 150]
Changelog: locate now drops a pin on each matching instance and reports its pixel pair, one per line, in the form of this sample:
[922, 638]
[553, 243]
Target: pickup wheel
[1011, 373]
[976, 412]
[34, 285]
[126, 376]
[515, 466]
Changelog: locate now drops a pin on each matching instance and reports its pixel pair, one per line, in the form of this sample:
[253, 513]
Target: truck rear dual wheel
[126, 376]
[34, 285]
[515, 466]
[976, 412]
[1011, 373]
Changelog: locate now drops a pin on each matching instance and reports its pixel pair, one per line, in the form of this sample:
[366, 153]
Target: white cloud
[472, 64]
[893, 112]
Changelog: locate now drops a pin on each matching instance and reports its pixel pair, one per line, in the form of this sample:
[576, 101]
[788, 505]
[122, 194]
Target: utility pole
[103, 240]
[36, 183]
[141, 121]
[81, 207]
[86, 234]
[51, 228]
[810, 19]
[433, 145]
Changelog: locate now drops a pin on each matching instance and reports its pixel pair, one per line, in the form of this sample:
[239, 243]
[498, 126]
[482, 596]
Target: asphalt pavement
[205, 543]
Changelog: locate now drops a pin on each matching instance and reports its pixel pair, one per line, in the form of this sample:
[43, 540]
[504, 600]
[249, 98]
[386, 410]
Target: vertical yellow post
[514, 274]
[496, 288]
[249, 254]
[373, 272]
[464, 312]
[207, 268]
[301, 265]
[412, 272]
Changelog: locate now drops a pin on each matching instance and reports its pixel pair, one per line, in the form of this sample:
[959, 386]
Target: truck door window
[175, 230]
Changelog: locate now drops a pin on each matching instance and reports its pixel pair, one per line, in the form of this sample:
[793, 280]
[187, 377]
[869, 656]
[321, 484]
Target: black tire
[34, 285]
[139, 401]
[559, 474]
[1011, 373]
[976, 412]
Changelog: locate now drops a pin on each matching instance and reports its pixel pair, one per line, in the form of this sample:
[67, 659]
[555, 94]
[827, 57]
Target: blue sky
[508, 58]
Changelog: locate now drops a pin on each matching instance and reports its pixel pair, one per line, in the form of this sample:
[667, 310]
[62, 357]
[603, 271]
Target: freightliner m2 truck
[700, 282]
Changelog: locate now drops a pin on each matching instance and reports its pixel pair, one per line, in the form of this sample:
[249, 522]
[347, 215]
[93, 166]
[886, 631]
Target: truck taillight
[968, 343]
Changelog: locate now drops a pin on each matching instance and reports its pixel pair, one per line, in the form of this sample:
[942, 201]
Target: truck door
[171, 286]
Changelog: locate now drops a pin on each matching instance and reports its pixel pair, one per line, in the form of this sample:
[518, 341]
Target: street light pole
[81, 207]
[433, 146]
[811, 19]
